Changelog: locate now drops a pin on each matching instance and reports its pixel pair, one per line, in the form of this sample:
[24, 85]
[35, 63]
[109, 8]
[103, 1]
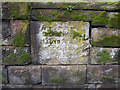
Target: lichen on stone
[63, 42]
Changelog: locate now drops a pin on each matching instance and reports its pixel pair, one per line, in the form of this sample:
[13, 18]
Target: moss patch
[76, 34]
[114, 22]
[52, 33]
[20, 11]
[58, 80]
[19, 40]
[101, 18]
[107, 79]
[15, 58]
[67, 7]
[104, 57]
[112, 40]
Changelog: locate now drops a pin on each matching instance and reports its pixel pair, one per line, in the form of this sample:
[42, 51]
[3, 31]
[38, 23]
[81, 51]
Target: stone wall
[61, 45]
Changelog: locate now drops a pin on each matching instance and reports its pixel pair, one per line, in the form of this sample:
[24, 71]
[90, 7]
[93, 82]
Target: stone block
[63, 75]
[104, 55]
[103, 74]
[105, 37]
[24, 75]
[15, 55]
[60, 42]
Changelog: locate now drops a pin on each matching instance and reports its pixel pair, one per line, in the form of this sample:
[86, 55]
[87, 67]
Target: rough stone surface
[39, 87]
[20, 33]
[105, 37]
[104, 55]
[24, 75]
[63, 75]
[6, 33]
[4, 75]
[13, 87]
[107, 74]
[106, 86]
[60, 42]
[15, 55]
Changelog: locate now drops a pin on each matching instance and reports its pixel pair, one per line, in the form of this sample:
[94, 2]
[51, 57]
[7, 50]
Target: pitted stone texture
[6, 33]
[104, 55]
[4, 75]
[24, 75]
[15, 55]
[15, 10]
[107, 74]
[60, 42]
[63, 75]
[20, 33]
[105, 37]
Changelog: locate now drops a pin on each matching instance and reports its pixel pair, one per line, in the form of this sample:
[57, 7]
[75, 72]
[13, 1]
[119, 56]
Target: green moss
[21, 11]
[24, 57]
[104, 57]
[14, 11]
[102, 18]
[114, 22]
[49, 4]
[58, 80]
[54, 13]
[77, 17]
[107, 78]
[19, 39]
[40, 17]
[25, 21]
[76, 34]
[112, 40]
[15, 58]
[58, 17]
[52, 33]
[67, 7]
